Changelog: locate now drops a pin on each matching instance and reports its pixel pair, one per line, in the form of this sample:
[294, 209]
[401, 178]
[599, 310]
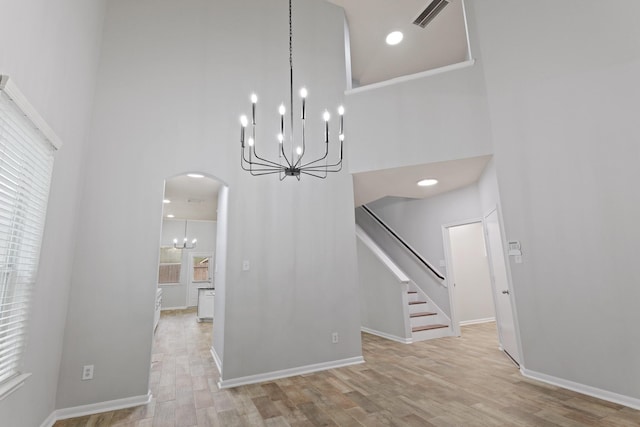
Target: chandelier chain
[291, 76]
[290, 39]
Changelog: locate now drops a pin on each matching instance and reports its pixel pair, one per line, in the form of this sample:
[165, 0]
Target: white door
[504, 312]
[200, 269]
[469, 271]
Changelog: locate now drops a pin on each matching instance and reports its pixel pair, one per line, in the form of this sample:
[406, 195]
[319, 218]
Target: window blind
[26, 163]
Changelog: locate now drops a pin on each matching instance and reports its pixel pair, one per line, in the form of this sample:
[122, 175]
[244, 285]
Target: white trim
[466, 30]
[387, 336]
[514, 308]
[441, 314]
[450, 278]
[174, 308]
[463, 222]
[382, 256]
[216, 359]
[405, 311]
[9, 87]
[96, 408]
[477, 321]
[269, 376]
[403, 79]
[50, 420]
[598, 393]
[347, 53]
[201, 283]
[11, 385]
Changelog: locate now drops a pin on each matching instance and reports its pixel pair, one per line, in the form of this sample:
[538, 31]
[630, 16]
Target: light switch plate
[245, 265]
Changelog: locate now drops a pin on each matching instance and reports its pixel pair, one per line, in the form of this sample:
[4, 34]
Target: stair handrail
[402, 241]
[381, 255]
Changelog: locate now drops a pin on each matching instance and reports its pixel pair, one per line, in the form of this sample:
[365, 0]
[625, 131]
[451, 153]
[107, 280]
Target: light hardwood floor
[462, 381]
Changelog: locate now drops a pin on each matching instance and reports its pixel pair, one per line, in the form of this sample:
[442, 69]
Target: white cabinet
[205, 303]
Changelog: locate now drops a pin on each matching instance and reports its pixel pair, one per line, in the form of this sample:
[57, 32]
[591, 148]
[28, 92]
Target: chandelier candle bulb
[303, 95]
[254, 100]
[250, 142]
[243, 125]
[326, 116]
[341, 113]
[282, 110]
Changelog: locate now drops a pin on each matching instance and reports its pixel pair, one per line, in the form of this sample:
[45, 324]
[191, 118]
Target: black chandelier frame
[292, 165]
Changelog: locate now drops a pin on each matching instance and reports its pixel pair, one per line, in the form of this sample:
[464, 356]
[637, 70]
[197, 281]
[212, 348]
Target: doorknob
[506, 292]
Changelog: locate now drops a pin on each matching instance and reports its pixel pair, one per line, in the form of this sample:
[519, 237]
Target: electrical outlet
[87, 372]
[334, 338]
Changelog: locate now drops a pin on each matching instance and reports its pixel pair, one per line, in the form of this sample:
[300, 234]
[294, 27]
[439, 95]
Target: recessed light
[394, 38]
[171, 216]
[166, 201]
[195, 175]
[427, 182]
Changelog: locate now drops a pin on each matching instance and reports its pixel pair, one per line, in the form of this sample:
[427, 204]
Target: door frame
[514, 308]
[193, 254]
[450, 277]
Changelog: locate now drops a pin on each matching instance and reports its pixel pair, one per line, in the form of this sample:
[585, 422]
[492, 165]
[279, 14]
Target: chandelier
[293, 163]
[184, 242]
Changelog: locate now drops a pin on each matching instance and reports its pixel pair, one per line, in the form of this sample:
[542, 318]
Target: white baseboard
[216, 359]
[387, 336]
[609, 396]
[50, 420]
[184, 307]
[96, 408]
[269, 376]
[477, 321]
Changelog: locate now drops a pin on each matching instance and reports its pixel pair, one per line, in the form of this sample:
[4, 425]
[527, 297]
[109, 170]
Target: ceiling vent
[432, 10]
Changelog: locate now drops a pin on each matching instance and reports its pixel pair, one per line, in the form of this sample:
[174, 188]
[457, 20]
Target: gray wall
[173, 80]
[51, 53]
[431, 119]
[381, 303]
[563, 94]
[420, 221]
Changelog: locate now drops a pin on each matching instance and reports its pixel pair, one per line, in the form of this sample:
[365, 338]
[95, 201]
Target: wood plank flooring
[463, 381]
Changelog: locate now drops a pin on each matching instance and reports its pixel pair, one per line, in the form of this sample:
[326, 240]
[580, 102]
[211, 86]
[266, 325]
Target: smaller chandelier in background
[291, 160]
[184, 242]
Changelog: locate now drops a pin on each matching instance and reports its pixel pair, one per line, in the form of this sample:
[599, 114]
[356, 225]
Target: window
[26, 162]
[200, 269]
[170, 265]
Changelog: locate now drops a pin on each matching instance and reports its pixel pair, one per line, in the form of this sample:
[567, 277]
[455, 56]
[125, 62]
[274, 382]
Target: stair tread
[424, 313]
[428, 327]
[417, 302]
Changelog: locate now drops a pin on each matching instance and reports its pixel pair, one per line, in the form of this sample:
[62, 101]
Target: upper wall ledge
[410, 77]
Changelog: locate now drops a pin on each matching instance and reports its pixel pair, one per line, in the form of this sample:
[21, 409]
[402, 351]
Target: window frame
[15, 96]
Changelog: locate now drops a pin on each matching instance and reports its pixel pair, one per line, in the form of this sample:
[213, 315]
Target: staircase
[425, 320]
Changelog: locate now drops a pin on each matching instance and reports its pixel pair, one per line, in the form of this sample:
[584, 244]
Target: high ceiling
[191, 198]
[402, 182]
[442, 42]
